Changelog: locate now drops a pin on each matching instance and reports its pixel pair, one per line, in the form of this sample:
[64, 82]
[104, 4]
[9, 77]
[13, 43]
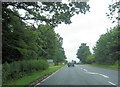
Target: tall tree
[60, 53]
[48, 40]
[107, 50]
[18, 42]
[83, 52]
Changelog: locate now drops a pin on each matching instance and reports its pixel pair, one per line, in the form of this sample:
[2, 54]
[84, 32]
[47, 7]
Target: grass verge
[26, 80]
[107, 66]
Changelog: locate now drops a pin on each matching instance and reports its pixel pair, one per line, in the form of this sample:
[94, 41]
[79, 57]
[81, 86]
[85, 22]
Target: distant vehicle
[70, 64]
[77, 63]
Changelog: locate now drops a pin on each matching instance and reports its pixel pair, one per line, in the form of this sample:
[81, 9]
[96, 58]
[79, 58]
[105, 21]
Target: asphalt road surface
[82, 75]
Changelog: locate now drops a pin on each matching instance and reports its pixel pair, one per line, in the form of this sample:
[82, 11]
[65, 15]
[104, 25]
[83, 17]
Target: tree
[48, 41]
[60, 53]
[114, 8]
[31, 44]
[18, 42]
[90, 59]
[51, 44]
[107, 47]
[50, 13]
[83, 52]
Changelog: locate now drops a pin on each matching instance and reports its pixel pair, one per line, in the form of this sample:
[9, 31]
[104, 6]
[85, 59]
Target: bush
[17, 69]
[90, 59]
[117, 63]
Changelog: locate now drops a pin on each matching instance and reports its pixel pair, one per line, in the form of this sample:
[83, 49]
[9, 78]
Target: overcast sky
[85, 28]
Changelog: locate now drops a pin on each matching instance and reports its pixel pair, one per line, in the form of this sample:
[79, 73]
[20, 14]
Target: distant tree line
[106, 51]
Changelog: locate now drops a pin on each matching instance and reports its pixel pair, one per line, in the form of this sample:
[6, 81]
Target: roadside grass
[107, 66]
[26, 80]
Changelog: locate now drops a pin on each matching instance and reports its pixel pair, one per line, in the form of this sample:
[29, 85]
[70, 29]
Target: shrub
[117, 63]
[17, 69]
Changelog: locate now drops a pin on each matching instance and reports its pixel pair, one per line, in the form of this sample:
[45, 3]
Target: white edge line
[47, 77]
[111, 83]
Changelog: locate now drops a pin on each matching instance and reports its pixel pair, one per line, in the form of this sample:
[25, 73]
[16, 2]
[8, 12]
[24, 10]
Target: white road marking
[98, 74]
[92, 73]
[95, 73]
[37, 84]
[85, 70]
[104, 76]
[111, 83]
[47, 77]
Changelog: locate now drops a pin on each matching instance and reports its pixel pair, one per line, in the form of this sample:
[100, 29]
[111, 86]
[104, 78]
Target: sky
[85, 28]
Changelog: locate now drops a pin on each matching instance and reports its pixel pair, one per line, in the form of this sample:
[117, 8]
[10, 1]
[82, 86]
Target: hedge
[17, 69]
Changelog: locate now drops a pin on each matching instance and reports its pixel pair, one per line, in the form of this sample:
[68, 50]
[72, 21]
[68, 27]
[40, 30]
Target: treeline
[106, 51]
[22, 43]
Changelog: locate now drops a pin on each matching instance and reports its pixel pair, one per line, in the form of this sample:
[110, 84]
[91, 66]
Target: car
[77, 63]
[70, 64]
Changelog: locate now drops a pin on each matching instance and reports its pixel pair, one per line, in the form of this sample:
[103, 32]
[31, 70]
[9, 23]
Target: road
[82, 75]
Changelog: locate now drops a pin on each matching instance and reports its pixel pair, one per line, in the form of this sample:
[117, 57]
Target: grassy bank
[107, 66]
[26, 80]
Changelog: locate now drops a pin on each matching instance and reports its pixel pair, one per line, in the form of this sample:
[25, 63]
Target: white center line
[104, 75]
[98, 74]
[85, 70]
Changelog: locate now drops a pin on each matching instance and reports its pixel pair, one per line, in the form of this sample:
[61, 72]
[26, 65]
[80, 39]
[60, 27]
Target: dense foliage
[90, 59]
[50, 13]
[107, 50]
[22, 43]
[83, 52]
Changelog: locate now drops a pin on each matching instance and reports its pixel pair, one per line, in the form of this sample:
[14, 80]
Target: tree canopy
[83, 52]
[49, 13]
[107, 49]
[113, 9]
[21, 42]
